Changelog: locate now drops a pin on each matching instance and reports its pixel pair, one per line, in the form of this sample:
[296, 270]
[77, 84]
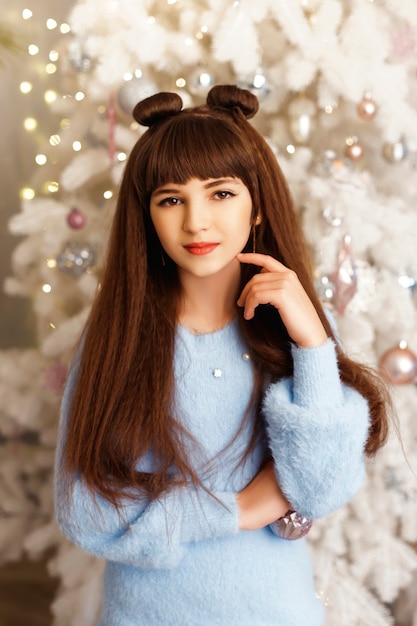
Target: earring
[256, 221]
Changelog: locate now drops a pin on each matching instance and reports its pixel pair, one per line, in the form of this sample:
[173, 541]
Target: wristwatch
[291, 526]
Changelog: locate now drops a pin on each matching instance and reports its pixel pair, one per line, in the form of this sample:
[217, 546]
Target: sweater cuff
[316, 380]
[208, 516]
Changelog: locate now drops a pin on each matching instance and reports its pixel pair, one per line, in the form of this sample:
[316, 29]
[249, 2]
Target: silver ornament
[407, 277]
[133, 91]
[334, 166]
[200, 82]
[395, 152]
[257, 83]
[301, 114]
[76, 259]
[78, 57]
[332, 216]
[325, 289]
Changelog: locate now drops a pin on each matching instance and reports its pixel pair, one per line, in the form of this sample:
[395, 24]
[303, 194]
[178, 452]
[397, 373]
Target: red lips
[201, 248]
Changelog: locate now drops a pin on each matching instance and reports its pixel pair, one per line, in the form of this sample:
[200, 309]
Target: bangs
[196, 147]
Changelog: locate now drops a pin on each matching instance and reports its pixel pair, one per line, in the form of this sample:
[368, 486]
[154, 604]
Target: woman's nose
[196, 218]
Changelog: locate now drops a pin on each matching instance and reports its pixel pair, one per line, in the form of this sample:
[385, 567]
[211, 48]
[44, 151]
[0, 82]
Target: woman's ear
[258, 219]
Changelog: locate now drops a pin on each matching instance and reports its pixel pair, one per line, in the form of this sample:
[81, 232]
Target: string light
[54, 140]
[50, 96]
[33, 49]
[52, 186]
[26, 87]
[108, 194]
[65, 28]
[41, 159]
[27, 193]
[76, 146]
[46, 288]
[30, 124]
[51, 23]
[27, 14]
[259, 80]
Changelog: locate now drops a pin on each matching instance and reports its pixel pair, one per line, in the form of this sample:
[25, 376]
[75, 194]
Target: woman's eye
[222, 195]
[169, 202]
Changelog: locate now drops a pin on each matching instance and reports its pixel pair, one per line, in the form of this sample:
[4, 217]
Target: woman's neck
[208, 303]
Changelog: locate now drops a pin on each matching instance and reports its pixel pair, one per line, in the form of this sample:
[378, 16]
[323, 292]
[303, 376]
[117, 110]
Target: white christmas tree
[337, 82]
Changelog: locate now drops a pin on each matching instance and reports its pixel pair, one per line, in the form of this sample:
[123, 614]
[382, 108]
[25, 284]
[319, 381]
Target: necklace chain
[198, 332]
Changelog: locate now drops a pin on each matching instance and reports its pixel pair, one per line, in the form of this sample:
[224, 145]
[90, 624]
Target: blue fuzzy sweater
[181, 560]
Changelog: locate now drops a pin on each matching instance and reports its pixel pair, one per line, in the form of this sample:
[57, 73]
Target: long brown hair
[122, 405]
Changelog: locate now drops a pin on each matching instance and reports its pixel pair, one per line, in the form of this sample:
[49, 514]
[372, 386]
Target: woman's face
[203, 224]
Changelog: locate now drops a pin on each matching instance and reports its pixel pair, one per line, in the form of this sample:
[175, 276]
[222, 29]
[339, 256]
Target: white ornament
[301, 113]
[133, 91]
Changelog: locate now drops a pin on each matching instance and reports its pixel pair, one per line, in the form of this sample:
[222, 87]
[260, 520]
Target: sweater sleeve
[317, 429]
[143, 533]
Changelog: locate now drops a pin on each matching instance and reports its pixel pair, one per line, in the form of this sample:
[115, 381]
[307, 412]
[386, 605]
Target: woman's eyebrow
[164, 190]
[208, 185]
[221, 181]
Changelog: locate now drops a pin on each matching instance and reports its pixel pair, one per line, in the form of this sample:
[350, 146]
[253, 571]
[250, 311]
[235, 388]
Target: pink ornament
[399, 364]
[367, 109]
[354, 149]
[345, 279]
[76, 219]
[55, 377]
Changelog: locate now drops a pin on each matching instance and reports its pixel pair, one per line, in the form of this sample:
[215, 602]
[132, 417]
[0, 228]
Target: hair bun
[233, 97]
[152, 110]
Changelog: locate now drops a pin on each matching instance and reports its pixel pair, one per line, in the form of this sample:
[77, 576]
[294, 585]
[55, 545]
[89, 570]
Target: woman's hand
[262, 501]
[279, 286]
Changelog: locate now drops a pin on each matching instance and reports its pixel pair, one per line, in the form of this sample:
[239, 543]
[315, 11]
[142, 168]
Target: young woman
[210, 415]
